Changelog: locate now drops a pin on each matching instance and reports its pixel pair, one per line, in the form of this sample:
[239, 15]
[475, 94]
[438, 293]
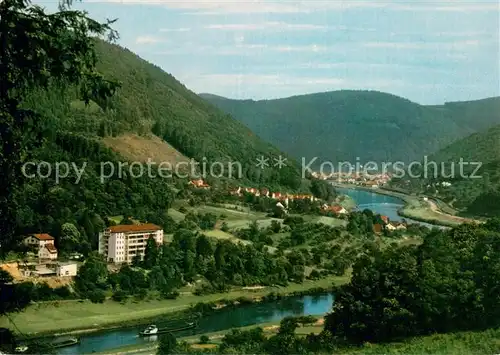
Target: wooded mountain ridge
[372, 126]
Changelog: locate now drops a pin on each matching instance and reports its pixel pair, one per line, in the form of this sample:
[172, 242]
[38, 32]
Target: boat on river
[21, 349]
[64, 343]
[58, 343]
[154, 330]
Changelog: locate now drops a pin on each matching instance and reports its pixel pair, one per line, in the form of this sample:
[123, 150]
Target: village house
[280, 205]
[372, 184]
[44, 244]
[339, 210]
[252, 191]
[264, 192]
[390, 227]
[385, 219]
[67, 269]
[200, 184]
[276, 195]
[236, 192]
[400, 226]
[49, 269]
[377, 228]
[120, 244]
[336, 209]
[395, 226]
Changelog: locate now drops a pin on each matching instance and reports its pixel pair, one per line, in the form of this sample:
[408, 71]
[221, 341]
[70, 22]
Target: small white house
[48, 251]
[39, 240]
[44, 243]
[68, 269]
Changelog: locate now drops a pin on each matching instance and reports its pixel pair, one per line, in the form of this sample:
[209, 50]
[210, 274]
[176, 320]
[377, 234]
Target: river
[379, 203]
[222, 319]
[248, 314]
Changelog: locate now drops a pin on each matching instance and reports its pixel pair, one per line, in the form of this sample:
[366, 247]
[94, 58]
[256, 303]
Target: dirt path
[434, 207]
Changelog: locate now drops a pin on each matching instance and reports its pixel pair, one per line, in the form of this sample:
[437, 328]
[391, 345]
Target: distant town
[359, 179]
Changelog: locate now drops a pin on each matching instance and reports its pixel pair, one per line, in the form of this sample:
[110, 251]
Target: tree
[151, 253]
[136, 260]
[275, 226]
[204, 246]
[127, 221]
[167, 344]
[39, 51]
[93, 274]
[70, 237]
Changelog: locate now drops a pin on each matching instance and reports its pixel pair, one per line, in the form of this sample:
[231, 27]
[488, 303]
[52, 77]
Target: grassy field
[176, 215]
[218, 234]
[84, 315]
[329, 221]
[421, 210]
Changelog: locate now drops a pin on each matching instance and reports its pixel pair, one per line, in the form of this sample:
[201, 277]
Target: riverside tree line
[449, 283]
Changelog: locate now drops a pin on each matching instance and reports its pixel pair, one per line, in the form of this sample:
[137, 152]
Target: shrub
[172, 295]
[96, 296]
[314, 275]
[119, 296]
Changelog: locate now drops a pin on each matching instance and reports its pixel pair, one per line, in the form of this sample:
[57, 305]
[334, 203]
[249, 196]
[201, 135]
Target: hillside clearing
[140, 148]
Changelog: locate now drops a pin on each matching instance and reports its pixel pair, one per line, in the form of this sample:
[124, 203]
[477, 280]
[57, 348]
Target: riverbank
[416, 207]
[269, 328]
[79, 317]
[461, 343]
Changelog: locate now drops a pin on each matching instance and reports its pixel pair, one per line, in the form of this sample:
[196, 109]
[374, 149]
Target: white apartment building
[120, 244]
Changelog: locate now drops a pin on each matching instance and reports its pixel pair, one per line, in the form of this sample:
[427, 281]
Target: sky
[430, 52]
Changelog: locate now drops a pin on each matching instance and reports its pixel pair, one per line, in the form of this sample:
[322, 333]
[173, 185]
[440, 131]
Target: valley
[234, 244]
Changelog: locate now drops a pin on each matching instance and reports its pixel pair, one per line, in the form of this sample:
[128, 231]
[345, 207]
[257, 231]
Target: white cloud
[148, 40]
[268, 26]
[366, 66]
[247, 49]
[314, 48]
[210, 7]
[216, 7]
[182, 29]
[457, 45]
[446, 6]
[462, 33]
[283, 80]
[264, 79]
[239, 39]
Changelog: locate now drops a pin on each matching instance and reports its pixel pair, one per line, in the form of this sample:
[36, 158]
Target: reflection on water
[221, 320]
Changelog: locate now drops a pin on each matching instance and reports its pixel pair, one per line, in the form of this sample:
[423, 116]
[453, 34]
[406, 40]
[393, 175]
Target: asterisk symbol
[262, 162]
[280, 162]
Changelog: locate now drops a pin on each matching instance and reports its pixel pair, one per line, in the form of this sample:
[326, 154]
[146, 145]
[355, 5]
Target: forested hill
[374, 126]
[482, 147]
[151, 101]
[477, 192]
[153, 116]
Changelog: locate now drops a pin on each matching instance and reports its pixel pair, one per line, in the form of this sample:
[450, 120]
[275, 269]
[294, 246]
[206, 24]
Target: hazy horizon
[429, 52]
